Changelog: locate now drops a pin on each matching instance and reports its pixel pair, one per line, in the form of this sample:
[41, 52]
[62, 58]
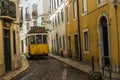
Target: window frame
[86, 44]
[21, 13]
[101, 2]
[84, 7]
[34, 7]
[27, 10]
[14, 42]
[75, 9]
[53, 23]
[67, 15]
[27, 25]
[56, 24]
[35, 23]
[55, 6]
[62, 15]
[58, 17]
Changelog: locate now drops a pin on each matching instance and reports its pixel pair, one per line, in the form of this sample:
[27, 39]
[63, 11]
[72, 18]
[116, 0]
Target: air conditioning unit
[114, 1]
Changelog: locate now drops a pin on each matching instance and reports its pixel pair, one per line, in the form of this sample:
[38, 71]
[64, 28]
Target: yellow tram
[37, 42]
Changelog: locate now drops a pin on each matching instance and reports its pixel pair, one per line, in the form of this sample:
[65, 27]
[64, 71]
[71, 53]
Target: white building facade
[33, 13]
[58, 29]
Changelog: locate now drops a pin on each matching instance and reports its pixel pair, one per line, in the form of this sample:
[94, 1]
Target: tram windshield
[37, 39]
[41, 39]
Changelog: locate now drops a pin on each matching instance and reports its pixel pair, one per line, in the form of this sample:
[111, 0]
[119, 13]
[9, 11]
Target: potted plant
[95, 75]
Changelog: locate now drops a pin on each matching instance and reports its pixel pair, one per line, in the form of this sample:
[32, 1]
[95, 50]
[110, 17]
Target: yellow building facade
[100, 32]
[10, 58]
[72, 30]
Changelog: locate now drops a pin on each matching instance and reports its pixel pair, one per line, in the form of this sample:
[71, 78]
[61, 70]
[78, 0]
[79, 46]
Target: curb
[14, 73]
[67, 61]
[85, 68]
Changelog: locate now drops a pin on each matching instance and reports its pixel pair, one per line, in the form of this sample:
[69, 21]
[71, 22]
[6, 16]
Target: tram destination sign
[37, 29]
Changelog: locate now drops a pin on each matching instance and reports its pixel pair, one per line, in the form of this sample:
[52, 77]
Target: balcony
[7, 10]
[34, 14]
[27, 17]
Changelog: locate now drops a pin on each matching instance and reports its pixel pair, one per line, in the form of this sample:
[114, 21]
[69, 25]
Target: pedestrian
[39, 41]
[61, 52]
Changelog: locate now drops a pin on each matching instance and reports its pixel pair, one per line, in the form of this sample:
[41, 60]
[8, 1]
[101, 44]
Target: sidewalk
[84, 67]
[12, 74]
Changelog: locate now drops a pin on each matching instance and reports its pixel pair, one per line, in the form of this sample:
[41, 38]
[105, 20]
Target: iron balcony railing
[7, 9]
[34, 14]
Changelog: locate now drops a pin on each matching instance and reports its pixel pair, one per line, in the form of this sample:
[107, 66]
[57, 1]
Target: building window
[21, 13]
[58, 19]
[62, 15]
[55, 4]
[51, 5]
[100, 1]
[27, 25]
[63, 43]
[67, 14]
[84, 6]
[22, 46]
[34, 8]
[27, 10]
[27, 15]
[75, 9]
[86, 43]
[53, 24]
[60, 42]
[20, 1]
[34, 23]
[14, 42]
[55, 21]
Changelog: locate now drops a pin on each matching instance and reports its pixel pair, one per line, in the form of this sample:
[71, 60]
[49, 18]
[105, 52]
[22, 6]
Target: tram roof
[37, 30]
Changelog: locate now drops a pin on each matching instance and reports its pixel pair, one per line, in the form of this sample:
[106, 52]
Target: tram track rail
[50, 69]
[45, 76]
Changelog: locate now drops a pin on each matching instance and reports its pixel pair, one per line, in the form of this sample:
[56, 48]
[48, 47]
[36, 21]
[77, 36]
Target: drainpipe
[116, 8]
[80, 52]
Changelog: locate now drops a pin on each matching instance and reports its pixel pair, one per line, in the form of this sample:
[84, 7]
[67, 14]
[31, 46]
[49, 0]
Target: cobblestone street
[50, 69]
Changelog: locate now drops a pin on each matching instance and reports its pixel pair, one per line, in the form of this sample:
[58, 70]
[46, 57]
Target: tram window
[39, 39]
[44, 39]
[32, 39]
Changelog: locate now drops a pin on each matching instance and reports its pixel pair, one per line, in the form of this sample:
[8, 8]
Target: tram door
[7, 51]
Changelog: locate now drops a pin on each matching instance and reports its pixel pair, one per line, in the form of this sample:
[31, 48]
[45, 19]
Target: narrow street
[47, 68]
[80, 39]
